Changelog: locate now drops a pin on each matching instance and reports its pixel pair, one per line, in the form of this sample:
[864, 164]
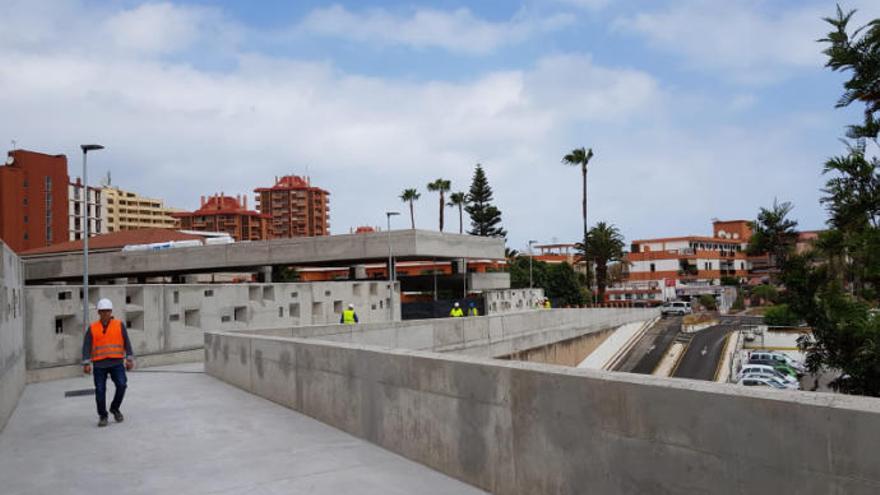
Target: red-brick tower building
[33, 200]
[220, 213]
[296, 207]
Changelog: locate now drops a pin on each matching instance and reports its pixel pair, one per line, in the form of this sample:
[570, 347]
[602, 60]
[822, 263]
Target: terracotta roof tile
[116, 241]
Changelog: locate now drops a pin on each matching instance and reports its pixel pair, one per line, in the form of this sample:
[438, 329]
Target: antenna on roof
[105, 182]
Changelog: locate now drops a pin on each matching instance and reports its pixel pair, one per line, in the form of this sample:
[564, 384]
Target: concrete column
[266, 273]
[190, 279]
[357, 272]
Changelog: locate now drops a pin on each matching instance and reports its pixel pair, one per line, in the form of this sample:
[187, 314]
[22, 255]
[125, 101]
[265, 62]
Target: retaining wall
[525, 428]
[166, 321]
[489, 336]
[12, 355]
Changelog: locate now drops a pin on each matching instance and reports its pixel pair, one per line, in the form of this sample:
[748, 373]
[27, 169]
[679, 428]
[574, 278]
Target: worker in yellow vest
[107, 349]
[456, 311]
[547, 304]
[349, 317]
[472, 310]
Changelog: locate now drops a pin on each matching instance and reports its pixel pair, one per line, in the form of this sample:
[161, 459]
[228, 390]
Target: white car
[778, 356]
[768, 376]
[679, 308]
[757, 381]
[748, 369]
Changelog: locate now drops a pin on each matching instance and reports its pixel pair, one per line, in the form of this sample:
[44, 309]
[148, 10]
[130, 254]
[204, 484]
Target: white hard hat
[350, 306]
[105, 304]
[456, 305]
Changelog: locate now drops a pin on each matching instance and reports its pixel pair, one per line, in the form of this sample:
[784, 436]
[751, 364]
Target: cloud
[458, 30]
[744, 41]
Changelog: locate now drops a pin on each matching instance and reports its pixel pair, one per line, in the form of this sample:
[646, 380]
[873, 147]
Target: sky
[695, 109]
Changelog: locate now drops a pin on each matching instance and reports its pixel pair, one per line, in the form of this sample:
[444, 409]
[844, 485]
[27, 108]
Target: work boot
[102, 422]
[117, 416]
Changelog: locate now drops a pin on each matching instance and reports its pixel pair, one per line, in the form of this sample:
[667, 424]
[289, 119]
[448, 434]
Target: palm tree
[604, 244]
[440, 185]
[458, 199]
[581, 157]
[408, 196]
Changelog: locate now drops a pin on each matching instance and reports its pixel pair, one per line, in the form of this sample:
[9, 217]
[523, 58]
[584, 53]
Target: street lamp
[531, 292]
[85, 215]
[388, 215]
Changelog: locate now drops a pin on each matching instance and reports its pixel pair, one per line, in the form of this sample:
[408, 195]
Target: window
[64, 295]
[59, 326]
[25, 219]
[209, 293]
[653, 267]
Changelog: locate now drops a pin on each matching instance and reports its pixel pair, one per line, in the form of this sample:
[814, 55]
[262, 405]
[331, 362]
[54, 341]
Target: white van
[679, 308]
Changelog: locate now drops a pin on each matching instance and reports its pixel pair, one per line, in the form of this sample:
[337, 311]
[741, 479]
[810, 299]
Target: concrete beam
[337, 250]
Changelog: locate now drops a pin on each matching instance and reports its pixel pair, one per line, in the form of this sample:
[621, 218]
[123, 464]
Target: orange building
[221, 213]
[296, 208]
[689, 259]
[33, 200]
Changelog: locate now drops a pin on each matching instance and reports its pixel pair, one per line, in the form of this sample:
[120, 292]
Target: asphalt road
[703, 353]
[646, 354]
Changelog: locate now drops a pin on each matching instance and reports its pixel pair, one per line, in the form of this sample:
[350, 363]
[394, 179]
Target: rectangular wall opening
[240, 313]
[65, 295]
[134, 296]
[209, 292]
[176, 297]
[374, 289]
[254, 293]
[174, 317]
[337, 307]
[192, 318]
[134, 320]
[269, 293]
[293, 310]
[356, 290]
[317, 312]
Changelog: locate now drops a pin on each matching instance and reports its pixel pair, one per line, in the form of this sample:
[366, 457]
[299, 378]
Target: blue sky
[695, 109]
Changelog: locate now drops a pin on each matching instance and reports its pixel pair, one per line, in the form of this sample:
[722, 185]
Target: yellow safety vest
[348, 317]
[456, 313]
[473, 312]
[547, 304]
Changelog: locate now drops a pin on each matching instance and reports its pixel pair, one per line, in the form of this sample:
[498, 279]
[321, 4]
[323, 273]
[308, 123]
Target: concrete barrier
[12, 355]
[525, 428]
[166, 321]
[488, 336]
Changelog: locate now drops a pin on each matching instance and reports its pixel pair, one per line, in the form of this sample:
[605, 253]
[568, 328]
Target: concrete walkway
[187, 433]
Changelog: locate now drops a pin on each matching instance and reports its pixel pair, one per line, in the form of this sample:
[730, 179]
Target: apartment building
[295, 207]
[125, 210]
[220, 213]
[94, 214]
[33, 200]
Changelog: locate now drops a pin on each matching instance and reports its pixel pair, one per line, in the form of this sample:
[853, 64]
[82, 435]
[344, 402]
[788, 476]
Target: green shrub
[708, 301]
[780, 316]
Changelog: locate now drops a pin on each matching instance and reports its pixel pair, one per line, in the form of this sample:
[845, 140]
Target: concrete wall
[525, 428]
[488, 336]
[569, 352]
[169, 319]
[12, 355]
[511, 300]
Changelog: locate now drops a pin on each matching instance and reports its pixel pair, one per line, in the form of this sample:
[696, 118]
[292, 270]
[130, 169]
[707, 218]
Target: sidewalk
[187, 433]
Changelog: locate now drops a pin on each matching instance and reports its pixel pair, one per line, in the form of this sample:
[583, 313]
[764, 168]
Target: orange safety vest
[107, 344]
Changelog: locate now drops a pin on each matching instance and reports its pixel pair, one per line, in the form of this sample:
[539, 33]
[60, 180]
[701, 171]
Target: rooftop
[115, 241]
[186, 432]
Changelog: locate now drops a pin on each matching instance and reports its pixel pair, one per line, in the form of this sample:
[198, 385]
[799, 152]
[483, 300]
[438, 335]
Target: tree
[559, 281]
[833, 287]
[580, 157]
[765, 294]
[409, 196]
[458, 199]
[708, 301]
[603, 245]
[780, 315]
[441, 186]
[774, 234]
[485, 217]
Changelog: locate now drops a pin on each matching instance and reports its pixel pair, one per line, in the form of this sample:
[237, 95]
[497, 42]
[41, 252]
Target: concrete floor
[187, 433]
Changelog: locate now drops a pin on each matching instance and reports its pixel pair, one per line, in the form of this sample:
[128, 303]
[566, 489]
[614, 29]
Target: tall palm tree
[441, 186]
[581, 157]
[458, 199]
[408, 196]
[604, 244]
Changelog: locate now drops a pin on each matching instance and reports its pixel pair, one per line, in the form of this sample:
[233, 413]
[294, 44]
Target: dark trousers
[117, 374]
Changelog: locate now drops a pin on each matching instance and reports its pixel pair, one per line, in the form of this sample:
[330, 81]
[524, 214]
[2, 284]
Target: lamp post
[391, 274]
[85, 215]
[531, 243]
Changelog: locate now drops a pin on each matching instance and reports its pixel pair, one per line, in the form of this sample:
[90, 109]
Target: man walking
[107, 349]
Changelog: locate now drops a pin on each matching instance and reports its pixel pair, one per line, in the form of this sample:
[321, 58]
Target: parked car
[756, 381]
[750, 368]
[780, 357]
[778, 365]
[679, 308]
[768, 376]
